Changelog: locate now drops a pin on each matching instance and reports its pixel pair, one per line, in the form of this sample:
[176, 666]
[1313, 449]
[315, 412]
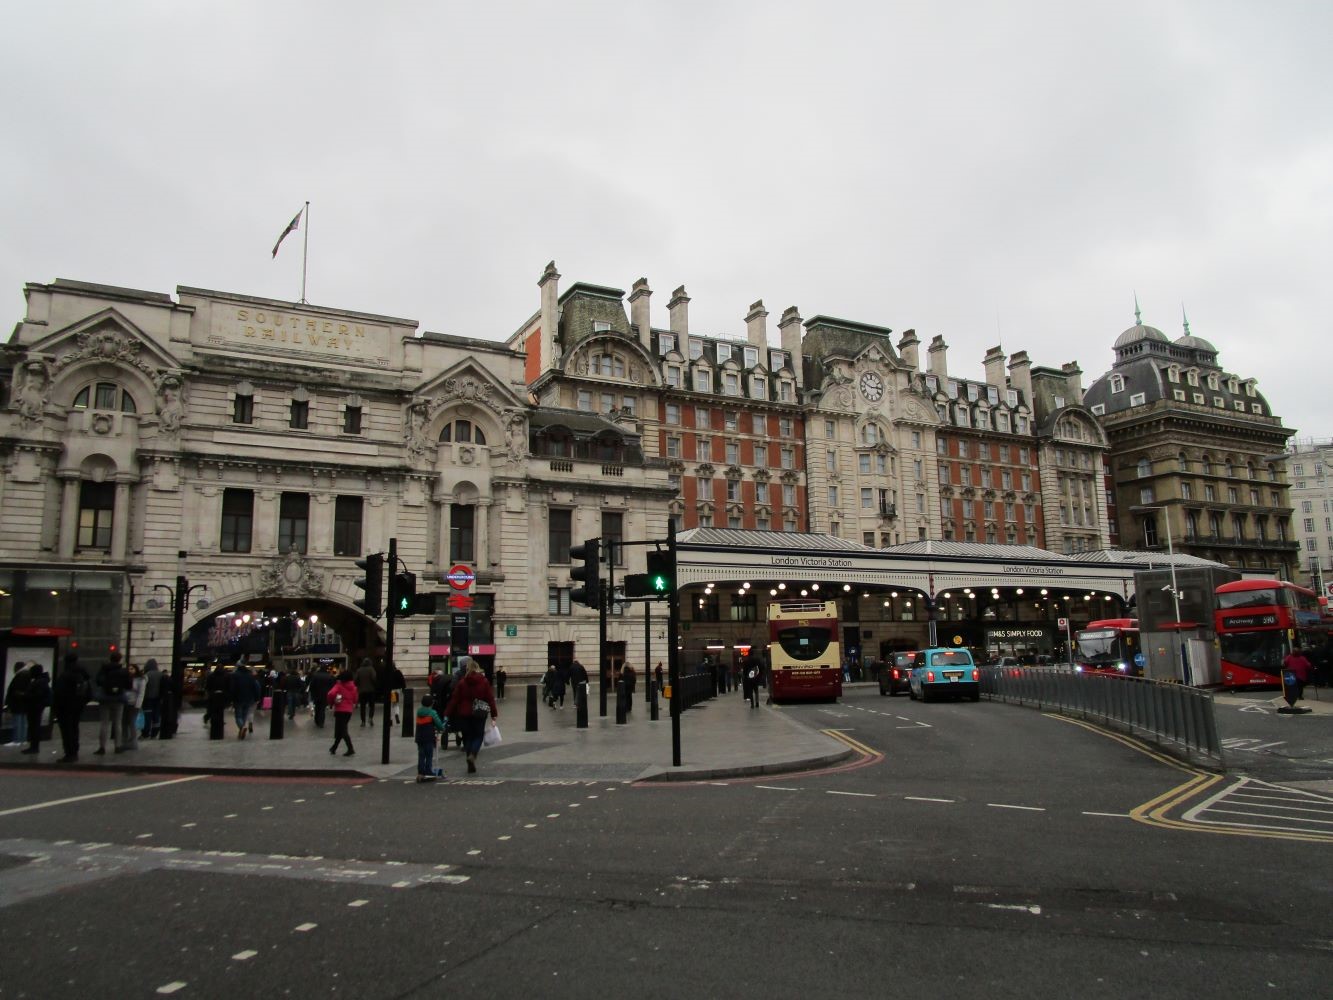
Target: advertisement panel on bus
[805, 661]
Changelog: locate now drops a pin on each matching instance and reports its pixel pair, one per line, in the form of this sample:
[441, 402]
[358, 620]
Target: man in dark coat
[69, 693]
[36, 698]
[321, 683]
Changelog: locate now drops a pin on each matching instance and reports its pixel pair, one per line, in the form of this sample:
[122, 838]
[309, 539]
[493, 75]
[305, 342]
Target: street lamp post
[180, 599]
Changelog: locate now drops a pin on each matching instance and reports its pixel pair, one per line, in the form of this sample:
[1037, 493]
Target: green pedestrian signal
[661, 572]
[404, 591]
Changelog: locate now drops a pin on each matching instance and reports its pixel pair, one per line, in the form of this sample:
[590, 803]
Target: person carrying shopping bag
[472, 703]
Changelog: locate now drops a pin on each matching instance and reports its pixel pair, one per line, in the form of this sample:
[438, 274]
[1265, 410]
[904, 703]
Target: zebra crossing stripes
[1262, 805]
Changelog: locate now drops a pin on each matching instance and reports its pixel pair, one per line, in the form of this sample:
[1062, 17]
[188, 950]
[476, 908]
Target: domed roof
[1197, 343]
[1139, 332]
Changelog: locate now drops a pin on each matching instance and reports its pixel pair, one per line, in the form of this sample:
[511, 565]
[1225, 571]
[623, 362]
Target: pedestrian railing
[1174, 717]
[696, 687]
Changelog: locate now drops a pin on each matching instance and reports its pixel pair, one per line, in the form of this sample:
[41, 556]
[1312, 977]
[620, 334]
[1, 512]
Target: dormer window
[696, 348]
[992, 395]
[673, 376]
[723, 353]
[703, 381]
[599, 326]
[1233, 386]
[751, 356]
[666, 343]
[1173, 373]
[1117, 383]
[1011, 397]
[1192, 377]
[1059, 402]
[758, 387]
[1213, 382]
[777, 360]
[104, 396]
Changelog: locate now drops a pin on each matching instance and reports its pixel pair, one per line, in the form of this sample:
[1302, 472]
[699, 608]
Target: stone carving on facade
[31, 395]
[170, 402]
[105, 344]
[467, 388]
[414, 429]
[289, 575]
[516, 434]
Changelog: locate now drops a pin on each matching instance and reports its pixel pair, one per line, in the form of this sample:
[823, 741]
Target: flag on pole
[292, 227]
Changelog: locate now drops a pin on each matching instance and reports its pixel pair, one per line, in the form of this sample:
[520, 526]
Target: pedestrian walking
[366, 680]
[245, 691]
[152, 700]
[1298, 666]
[218, 690]
[629, 676]
[342, 697]
[397, 685]
[563, 673]
[129, 712]
[293, 686]
[473, 703]
[578, 679]
[500, 678]
[750, 682]
[15, 703]
[69, 693]
[35, 699]
[109, 689]
[428, 723]
[658, 672]
[321, 683]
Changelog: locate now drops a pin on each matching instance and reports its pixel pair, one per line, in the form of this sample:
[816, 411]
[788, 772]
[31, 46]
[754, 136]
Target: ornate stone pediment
[289, 575]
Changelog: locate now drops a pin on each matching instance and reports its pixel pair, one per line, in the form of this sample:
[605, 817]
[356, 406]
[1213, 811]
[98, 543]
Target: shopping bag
[491, 737]
[267, 704]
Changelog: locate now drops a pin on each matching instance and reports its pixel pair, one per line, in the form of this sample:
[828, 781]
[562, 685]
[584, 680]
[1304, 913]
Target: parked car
[947, 672]
[895, 673]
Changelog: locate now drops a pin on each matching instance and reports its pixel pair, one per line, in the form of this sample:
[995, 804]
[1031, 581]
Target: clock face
[871, 387]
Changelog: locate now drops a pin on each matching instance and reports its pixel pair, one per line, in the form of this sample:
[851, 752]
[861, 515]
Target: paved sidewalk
[720, 738]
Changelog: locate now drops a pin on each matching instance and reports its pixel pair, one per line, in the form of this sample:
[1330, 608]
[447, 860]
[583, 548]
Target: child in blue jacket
[428, 722]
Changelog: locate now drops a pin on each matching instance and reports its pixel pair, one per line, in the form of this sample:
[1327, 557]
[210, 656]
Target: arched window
[1207, 466]
[104, 396]
[1182, 463]
[1144, 467]
[463, 432]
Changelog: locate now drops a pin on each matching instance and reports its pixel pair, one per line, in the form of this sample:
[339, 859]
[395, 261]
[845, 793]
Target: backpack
[112, 682]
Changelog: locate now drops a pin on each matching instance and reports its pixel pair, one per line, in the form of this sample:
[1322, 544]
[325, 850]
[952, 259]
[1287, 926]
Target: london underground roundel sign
[460, 577]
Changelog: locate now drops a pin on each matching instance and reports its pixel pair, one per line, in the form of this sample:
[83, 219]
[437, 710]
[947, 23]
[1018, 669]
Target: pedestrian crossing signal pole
[673, 644]
[389, 612]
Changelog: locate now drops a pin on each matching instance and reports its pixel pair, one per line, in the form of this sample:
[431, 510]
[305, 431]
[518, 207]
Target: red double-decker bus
[1109, 646]
[1257, 623]
[804, 653]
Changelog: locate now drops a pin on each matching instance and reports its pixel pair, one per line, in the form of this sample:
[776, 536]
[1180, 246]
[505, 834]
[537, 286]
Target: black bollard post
[276, 714]
[408, 704]
[217, 715]
[581, 706]
[620, 703]
[530, 726]
[652, 702]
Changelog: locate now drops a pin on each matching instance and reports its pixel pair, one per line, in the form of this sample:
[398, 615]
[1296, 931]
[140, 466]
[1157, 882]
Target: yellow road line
[1155, 811]
[856, 745]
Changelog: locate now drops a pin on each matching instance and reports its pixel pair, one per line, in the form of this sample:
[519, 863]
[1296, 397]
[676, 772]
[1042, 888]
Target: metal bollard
[530, 726]
[620, 703]
[407, 703]
[217, 715]
[652, 702]
[276, 714]
[580, 706]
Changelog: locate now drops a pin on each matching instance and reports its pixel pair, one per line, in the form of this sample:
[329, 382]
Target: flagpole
[305, 251]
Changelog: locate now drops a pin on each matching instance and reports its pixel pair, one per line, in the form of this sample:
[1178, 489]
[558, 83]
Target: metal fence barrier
[1176, 718]
[696, 687]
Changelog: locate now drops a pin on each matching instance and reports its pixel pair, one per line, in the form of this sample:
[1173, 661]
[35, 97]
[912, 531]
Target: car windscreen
[959, 659]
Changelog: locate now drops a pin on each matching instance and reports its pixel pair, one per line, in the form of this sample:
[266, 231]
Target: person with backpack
[472, 702]
[109, 687]
[14, 702]
[69, 693]
[35, 700]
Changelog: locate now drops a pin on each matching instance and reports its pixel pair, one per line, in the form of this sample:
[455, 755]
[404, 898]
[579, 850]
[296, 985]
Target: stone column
[69, 514]
[481, 526]
[120, 520]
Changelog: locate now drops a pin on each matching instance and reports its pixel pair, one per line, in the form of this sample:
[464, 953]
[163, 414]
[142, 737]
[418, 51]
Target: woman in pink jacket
[342, 699]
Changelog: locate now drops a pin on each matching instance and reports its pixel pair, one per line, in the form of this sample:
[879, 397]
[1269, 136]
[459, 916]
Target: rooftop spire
[1185, 318]
[1138, 320]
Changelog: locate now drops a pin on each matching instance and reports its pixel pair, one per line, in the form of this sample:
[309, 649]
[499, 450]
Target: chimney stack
[790, 329]
[638, 313]
[907, 350]
[1073, 383]
[938, 351]
[993, 362]
[550, 314]
[1020, 377]
[679, 309]
[756, 325]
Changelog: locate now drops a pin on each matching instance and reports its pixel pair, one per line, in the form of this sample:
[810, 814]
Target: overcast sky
[1004, 173]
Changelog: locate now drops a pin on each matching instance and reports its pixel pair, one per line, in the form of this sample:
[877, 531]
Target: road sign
[511, 631]
[460, 577]
[1062, 623]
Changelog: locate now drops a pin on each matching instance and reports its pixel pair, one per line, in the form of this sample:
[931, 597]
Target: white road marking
[143, 836]
[186, 826]
[265, 808]
[922, 798]
[552, 815]
[171, 987]
[244, 956]
[1112, 815]
[331, 793]
[401, 885]
[777, 788]
[859, 795]
[1021, 907]
[298, 800]
[230, 816]
[305, 927]
[474, 851]
[503, 836]
[100, 795]
[358, 902]
[575, 805]
[529, 826]
[1004, 805]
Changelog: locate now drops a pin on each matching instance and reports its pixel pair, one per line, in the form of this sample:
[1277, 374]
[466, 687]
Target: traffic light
[403, 593]
[661, 573]
[424, 605]
[589, 574]
[372, 583]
